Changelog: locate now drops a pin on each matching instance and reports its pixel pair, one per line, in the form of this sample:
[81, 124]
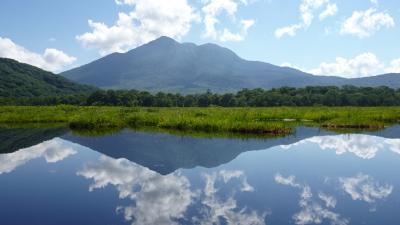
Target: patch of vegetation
[260, 121]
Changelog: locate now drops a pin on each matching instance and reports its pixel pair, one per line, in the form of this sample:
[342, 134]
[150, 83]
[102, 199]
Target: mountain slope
[166, 65]
[23, 80]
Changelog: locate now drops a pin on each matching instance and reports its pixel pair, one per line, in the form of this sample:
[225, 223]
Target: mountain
[23, 80]
[166, 65]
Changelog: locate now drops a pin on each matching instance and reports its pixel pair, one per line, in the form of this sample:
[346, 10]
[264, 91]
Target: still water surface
[50, 176]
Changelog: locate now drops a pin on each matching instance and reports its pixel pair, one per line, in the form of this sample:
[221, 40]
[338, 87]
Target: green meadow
[260, 121]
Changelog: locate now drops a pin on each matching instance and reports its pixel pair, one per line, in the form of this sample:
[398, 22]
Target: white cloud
[374, 2]
[394, 66]
[52, 151]
[331, 10]
[307, 10]
[52, 59]
[365, 23]
[364, 188]
[229, 36]
[148, 20]
[214, 8]
[363, 65]
[289, 30]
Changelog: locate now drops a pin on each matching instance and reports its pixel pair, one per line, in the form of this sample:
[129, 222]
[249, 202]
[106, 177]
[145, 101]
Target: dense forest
[285, 96]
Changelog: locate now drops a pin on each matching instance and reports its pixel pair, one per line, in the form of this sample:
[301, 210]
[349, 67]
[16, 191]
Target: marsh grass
[259, 121]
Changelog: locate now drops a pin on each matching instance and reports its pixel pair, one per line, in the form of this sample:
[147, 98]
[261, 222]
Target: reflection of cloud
[394, 145]
[312, 212]
[364, 188]
[158, 199]
[289, 181]
[53, 151]
[162, 199]
[227, 209]
[228, 175]
[330, 201]
[363, 146]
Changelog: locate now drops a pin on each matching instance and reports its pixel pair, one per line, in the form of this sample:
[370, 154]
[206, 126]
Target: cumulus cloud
[365, 23]
[312, 211]
[363, 187]
[212, 9]
[307, 10]
[52, 151]
[51, 59]
[363, 65]
[148, 20]
[394, 66]
[331, 10]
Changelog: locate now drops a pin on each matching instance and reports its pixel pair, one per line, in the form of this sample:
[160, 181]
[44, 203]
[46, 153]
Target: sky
[356, 38]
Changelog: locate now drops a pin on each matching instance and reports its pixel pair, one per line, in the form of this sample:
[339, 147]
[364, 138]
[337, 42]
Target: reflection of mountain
[166, 153]
[14, 139]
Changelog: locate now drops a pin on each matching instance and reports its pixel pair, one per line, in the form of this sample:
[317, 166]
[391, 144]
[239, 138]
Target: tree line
[285, 96]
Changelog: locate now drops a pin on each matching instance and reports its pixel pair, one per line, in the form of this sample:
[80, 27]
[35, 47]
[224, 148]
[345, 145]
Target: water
[50, 176]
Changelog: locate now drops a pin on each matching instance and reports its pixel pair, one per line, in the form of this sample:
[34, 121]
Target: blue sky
[325, 37]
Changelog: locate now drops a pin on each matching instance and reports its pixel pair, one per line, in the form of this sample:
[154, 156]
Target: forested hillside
[23, 80]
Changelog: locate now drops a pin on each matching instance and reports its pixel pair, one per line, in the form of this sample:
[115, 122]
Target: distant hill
[23, 80]
[166, 65]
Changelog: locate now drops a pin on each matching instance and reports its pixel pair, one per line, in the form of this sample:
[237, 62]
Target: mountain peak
[164, 40]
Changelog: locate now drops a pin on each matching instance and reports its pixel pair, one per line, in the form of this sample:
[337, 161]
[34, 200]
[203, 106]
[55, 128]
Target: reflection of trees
[14, 139]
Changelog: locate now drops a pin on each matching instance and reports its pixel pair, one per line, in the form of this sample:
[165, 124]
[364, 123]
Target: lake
[51, 176]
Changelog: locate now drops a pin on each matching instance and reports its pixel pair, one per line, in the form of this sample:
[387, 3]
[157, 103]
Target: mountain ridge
[167, 65]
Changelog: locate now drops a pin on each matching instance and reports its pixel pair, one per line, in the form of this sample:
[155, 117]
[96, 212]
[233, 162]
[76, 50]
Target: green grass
[260, 121]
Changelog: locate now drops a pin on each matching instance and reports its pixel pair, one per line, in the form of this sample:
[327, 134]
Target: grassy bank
[266, 121]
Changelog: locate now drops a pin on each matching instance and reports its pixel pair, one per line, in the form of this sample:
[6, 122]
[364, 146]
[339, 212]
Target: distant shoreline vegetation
[273, 121]
[285, 96]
